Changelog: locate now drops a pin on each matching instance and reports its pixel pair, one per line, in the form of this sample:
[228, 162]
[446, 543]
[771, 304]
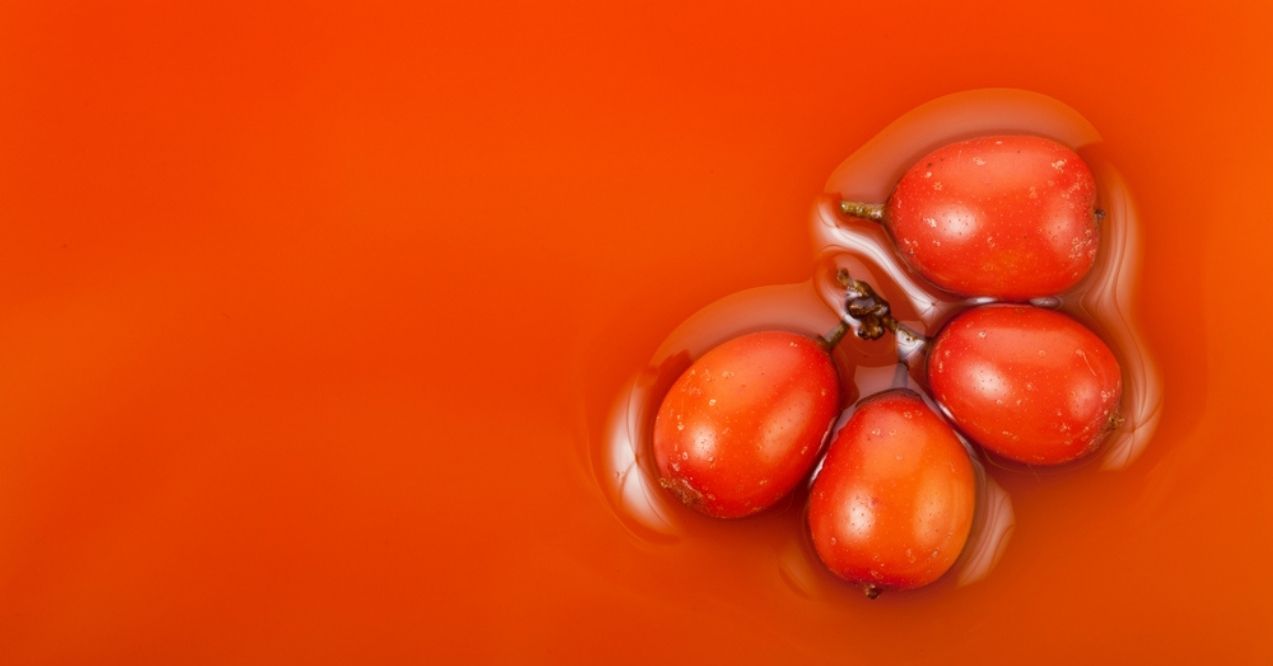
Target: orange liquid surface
[318, 327]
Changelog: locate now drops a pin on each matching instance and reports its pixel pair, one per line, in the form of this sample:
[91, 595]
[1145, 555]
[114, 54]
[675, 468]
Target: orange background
[308, 314]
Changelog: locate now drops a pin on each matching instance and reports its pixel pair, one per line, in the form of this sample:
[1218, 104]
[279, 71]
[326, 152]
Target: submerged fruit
[1029, 384]
[744, 424]
[1010, 216]
[893, 504]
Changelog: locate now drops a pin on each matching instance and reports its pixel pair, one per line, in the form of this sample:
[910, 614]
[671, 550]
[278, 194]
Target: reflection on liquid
[991, 527]
[641, 503]
[1110, 297]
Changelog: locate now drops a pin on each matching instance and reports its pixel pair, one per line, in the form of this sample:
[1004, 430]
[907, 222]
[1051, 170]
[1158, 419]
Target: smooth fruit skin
[1013, 217]
[744, 424]
[893, 504]
[1029, 384]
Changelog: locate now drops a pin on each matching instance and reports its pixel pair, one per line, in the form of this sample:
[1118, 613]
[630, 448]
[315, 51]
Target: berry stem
[872, 313]
[833, 338]
[867, 211]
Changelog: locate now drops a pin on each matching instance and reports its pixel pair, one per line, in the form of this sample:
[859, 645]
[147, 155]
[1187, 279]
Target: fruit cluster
[1000, 220]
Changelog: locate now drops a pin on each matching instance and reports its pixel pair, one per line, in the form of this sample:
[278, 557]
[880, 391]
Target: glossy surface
[313, 321]
[1007, 216]
[1106, 298]
[1029, 384]
[745, 423]
[893, 503]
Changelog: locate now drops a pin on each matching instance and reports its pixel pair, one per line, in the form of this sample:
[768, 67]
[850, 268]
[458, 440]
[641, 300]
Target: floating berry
[744, 424]
[1029, 384]
[1011, 217]
[893, 504]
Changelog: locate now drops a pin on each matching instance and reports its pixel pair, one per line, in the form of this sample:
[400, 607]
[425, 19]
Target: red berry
[1013, 217]
[1029, 384]
[893, 504]
[744, 424]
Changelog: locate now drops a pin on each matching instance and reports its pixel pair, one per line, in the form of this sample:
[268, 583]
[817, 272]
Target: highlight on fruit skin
[744, 424]
[1011, 217]
[1026, 383]
[892, 506]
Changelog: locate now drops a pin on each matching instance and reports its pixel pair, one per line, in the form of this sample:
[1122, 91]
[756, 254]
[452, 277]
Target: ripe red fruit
[1012, 216]
[744, 424]
[893, 504]
[1029, 384]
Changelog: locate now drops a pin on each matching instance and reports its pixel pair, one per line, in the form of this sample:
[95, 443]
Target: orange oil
[313, 321]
